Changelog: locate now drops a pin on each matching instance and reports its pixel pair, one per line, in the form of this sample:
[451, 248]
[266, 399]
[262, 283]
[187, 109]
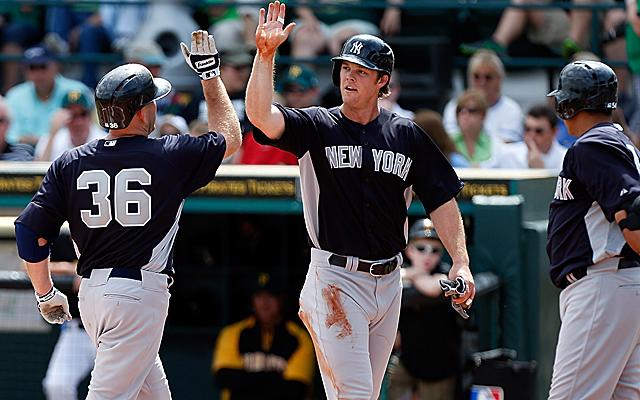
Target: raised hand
[270, 33]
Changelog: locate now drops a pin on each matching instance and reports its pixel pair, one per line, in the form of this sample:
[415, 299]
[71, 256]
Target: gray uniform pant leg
[598, 350]
[125, 319]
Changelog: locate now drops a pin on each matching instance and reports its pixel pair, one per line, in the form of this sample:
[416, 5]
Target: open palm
[270, 33]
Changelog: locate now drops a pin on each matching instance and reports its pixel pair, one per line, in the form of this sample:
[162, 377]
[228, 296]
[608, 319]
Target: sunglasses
[488, 77]
[470, 110]
[35, 67]
[427, 249]
[81, 114]
[538, 131]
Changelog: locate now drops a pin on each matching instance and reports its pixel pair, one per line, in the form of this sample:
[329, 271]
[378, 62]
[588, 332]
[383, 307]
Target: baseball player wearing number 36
[593, 244]
[358, 167]
[123, 197]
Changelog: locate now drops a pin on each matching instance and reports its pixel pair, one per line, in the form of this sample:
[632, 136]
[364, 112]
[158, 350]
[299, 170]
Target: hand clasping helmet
[585, 85]
[365, 50]
[124, 91]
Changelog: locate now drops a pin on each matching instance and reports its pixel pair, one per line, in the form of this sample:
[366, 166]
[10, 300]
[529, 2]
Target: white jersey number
[132, 207]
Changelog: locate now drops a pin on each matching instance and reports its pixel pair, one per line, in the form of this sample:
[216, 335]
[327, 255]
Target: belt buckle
[389, 266]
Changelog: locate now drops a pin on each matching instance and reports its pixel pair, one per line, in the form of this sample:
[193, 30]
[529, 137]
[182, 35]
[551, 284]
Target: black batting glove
[203, 57]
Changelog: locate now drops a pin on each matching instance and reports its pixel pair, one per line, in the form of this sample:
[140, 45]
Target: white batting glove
[53, 306]
[203, 57]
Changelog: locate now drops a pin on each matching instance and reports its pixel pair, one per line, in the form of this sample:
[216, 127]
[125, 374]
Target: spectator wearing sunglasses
[540, 148]
[471, 140]
[34, 102]
[426, 359]
[504, 117]
[11, 152]
[71, 126]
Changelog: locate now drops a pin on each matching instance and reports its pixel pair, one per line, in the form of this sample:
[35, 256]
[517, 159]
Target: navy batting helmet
[365, 50]
[423, 228]
[585, 85]
[123, 91]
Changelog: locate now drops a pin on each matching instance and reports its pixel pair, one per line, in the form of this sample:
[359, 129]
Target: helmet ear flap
[335, 73]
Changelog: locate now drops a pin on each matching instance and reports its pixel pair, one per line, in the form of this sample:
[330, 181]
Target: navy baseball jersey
[109, 190]
[357, 180]
[600, 172]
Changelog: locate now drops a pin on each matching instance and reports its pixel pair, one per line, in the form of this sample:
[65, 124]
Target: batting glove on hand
[203, 57]
[53, 306]
[456, 289]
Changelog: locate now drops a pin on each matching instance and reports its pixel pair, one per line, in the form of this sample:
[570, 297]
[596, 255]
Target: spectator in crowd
[198, 127]
[20, 28]
[431, 122]
[471, 140]
[264, 356]
[391, 102]
[504, 115]
[327, 28]
[34, 102]
[298, 88]
[564, 32]
[148, 53]
[427, 357]
[71, 126]
[8, 151]
[232, 25]
[74, 354]
[171, 124]
[540, 148]
[122, 20]
[76, 27]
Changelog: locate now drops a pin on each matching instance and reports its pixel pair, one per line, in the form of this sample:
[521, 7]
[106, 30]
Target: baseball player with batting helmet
[593, 243]
[358, 167]
[123, 196]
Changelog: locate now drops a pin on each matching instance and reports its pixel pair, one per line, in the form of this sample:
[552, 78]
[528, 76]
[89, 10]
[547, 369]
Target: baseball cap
[147, 52]
[80, 98]
[38, 54]
[176, 121]
[298, 78]
[423, 228]
[268, 282]
[237, 56]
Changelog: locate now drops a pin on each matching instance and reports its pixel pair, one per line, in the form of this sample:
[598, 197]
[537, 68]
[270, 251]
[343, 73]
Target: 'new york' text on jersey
[357, 180]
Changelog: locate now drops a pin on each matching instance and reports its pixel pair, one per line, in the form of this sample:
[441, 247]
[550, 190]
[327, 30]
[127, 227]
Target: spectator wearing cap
[299, 87]
[426, 355]
[170, 124]
[148, 53]
[71, 126]
[34, 102]
[265, 355]
[11, 152]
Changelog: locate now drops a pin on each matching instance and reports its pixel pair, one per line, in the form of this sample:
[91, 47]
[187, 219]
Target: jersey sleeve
[46, 212]
[609, 172]
[200, 155]
[434, 179]
[298, 128]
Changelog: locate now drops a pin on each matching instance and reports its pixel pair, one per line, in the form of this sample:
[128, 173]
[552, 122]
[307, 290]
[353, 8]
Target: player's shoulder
[296, 330]
[236, 328]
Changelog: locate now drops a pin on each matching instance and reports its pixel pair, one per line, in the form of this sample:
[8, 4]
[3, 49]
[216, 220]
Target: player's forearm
[448, 224]
[632, 237]
[221, 114]
[40, 276]
[259, 100]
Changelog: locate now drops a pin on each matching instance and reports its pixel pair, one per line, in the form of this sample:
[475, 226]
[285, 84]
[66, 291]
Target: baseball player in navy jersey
[358, 167]
[123, 196]
[593, 244]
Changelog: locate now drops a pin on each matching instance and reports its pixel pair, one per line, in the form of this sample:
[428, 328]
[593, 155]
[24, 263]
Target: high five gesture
[270, 33]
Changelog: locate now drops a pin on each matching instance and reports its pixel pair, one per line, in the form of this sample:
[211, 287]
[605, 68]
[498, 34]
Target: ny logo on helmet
[356, 47]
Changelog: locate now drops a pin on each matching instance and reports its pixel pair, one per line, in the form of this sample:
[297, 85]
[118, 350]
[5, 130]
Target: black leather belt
[580, 273]
[129, 273]
[375, 268]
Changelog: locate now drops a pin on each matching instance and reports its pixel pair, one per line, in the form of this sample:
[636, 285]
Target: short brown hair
[431, 122]
[475, 96]
[385, 90]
